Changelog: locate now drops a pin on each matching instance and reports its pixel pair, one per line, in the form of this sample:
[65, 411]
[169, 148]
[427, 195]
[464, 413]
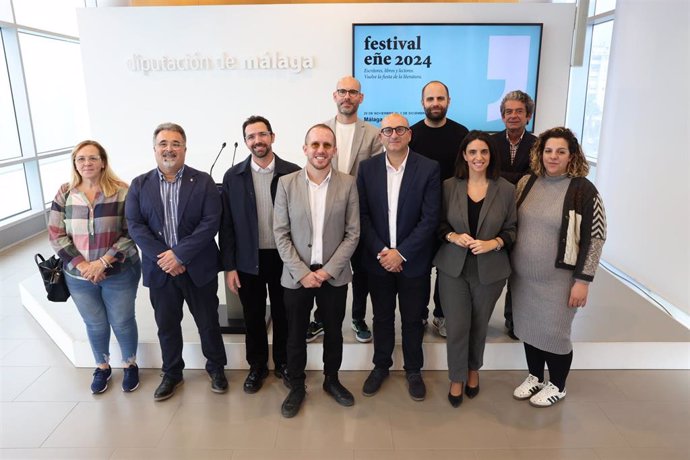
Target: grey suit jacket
[497, 217]
[292, 227]
[365, 144]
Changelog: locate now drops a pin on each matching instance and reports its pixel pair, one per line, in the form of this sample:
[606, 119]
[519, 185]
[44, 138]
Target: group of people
[375, 207]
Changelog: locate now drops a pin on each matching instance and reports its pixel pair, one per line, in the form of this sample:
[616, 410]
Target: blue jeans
[107, 304]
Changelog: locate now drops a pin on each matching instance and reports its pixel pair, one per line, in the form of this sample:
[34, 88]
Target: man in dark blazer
[316, 226]
[248, 248]
[400, 201]
[173, 214]
[514, 145]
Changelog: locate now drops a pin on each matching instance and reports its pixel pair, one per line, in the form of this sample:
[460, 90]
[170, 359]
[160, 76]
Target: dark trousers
[412, 295]
[298, 304]
[253, 298]
[202, 301]
[559, 365]
[360, 287]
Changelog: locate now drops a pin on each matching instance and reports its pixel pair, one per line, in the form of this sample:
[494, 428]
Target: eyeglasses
[399, 130]
[172, 145]
[345, 92]
[82, 160]
[253, 136]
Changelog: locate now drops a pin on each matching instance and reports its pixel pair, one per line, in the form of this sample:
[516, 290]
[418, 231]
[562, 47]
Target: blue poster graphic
[479, 63]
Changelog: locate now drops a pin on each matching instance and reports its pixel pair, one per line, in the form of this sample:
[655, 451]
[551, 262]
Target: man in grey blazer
[316, 227]
[357, 141]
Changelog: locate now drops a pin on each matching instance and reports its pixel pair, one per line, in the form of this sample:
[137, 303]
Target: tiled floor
[47, 411]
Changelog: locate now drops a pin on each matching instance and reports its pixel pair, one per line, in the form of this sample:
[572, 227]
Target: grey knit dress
[539, 290]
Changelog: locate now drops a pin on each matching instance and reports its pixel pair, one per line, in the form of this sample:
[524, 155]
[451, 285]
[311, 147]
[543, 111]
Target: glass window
[16, 198]
[9, 137]
[54, 15]
[6, 11]
[55, 85]
[596, 87]
[602, 6]
[55, 171]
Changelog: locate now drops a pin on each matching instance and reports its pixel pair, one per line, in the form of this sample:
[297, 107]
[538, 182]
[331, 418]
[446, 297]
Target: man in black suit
[248, 248]
[400, 202]
[514, 144]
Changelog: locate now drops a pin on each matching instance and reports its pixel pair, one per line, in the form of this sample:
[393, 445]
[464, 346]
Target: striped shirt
[170, 196]
[82, 231]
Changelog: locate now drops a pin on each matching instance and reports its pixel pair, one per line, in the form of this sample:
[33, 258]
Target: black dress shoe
[342, 396]
[373, 383]
[167, 388]
[471, 392]
[415, 386]
[219, 384]
[255, 380]
[454, 401]
[293, 401]
[282, 373]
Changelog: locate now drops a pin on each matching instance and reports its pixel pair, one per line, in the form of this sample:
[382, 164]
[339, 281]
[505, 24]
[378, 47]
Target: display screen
[479, 63]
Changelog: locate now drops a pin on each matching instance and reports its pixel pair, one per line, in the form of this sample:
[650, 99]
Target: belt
[314, 267]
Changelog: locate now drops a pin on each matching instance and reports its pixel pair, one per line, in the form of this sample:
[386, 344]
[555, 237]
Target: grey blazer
[292, 227]
[365, 144]
[497, 217]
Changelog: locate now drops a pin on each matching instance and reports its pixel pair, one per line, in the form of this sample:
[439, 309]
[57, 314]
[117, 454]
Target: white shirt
[344, 134]
[317, 203]
[267, 170]
[394, 179]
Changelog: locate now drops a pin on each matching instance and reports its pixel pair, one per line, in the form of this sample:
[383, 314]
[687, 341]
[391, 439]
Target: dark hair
[519, 96]
[577, 166]
[322, 126]
[256, 119]
[493, 171]
[169, 127]
[436, 81]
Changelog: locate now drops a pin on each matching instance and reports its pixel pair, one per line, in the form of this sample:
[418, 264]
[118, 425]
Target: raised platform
[617, 330]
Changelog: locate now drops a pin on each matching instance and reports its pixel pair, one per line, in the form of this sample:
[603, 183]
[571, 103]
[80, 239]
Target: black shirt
[439, 144]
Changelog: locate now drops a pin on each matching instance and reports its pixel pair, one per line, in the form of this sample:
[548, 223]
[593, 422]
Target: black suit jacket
[520, 167]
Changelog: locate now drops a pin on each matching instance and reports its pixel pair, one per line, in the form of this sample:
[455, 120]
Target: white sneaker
[528, 388]
[548, 396]
[440, 325]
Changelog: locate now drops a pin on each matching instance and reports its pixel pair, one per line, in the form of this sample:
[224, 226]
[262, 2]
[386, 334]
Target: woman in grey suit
[478, 225]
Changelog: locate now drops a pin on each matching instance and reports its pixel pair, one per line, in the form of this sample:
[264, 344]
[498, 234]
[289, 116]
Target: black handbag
[53, 278]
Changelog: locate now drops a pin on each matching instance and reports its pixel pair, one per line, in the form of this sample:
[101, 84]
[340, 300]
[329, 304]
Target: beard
[348, 111]
[428, 111]
[261, 150]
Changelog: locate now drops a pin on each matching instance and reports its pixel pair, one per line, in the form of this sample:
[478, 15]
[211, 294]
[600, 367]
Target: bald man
[400, 203]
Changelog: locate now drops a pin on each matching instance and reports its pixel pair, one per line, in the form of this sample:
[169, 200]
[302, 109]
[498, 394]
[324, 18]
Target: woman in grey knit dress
[562, 228]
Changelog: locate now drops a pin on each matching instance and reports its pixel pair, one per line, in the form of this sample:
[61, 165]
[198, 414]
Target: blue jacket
[199, 211]
[419, 209]
[239, 231]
